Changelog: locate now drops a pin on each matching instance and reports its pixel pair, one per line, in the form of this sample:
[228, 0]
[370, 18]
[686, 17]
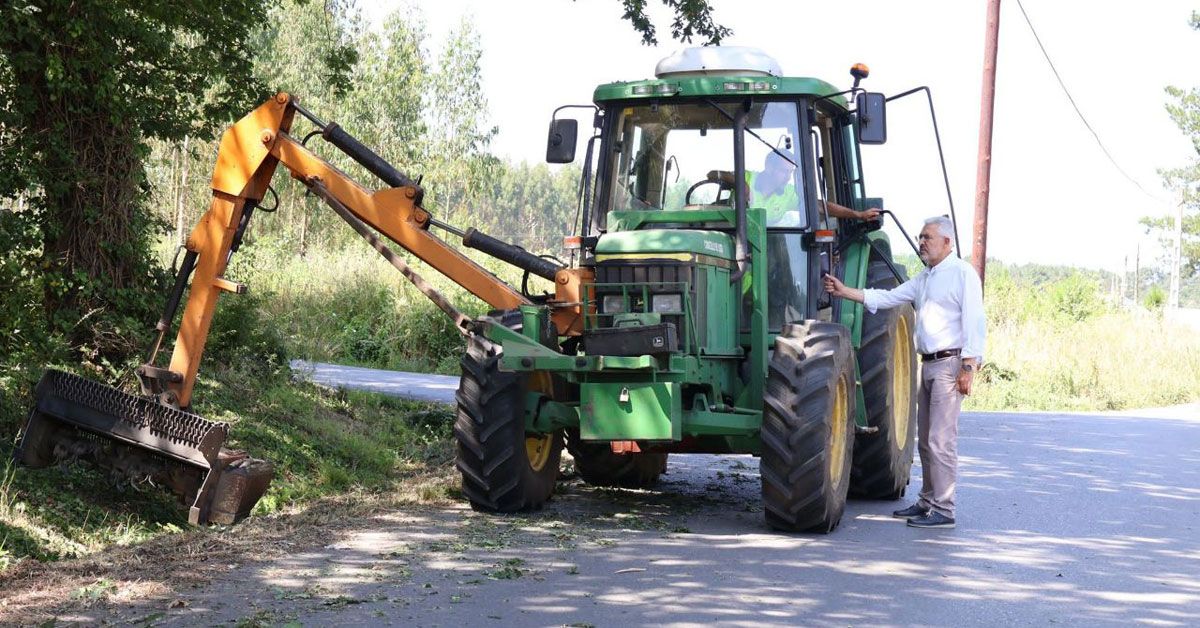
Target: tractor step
[142, 441]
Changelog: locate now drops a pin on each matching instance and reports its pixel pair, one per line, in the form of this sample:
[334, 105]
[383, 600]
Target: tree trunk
[181, 198]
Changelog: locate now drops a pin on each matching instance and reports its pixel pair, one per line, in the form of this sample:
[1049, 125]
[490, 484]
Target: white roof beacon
[722, 60]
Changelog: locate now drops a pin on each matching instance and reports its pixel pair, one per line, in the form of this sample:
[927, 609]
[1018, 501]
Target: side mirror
[560, 145]
[872, 117]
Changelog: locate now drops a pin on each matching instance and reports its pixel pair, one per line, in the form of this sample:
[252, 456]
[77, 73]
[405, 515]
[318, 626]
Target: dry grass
[1117, 360]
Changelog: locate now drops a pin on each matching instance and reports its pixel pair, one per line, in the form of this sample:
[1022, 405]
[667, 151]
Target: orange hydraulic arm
[249, 153]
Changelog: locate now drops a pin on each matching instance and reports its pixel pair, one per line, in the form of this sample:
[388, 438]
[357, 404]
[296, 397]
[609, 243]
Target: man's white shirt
[949, 303]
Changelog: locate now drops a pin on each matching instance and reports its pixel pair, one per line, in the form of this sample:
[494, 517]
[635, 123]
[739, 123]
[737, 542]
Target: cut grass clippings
[33, 592]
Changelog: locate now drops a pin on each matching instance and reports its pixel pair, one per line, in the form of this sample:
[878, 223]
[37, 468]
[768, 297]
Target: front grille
[644, 273]
[639, 283]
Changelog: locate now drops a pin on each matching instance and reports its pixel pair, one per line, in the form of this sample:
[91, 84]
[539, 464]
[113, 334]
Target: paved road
[1064, 519]
[419, 386]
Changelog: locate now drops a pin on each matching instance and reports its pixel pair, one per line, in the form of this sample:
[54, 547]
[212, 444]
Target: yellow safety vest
[776, 204]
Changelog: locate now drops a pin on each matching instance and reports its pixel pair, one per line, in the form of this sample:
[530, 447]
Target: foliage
[1156, 298]
[1184, 109]
[691, 18]
[1059, 344]
[1117, 360]
[82, 85]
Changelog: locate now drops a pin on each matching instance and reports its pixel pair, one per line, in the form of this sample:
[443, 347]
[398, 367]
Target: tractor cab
[720, 131]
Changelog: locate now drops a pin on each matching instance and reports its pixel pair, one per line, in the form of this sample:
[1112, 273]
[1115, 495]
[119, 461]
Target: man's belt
[948, 353]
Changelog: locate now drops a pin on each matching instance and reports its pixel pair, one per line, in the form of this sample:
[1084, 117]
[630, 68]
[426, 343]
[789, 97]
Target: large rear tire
[599, 466]
[808, 427]
[504, 469]
[887, 359]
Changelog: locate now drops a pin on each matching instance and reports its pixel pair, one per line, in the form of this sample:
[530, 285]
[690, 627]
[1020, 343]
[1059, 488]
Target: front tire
[808, 427]
[503, 468]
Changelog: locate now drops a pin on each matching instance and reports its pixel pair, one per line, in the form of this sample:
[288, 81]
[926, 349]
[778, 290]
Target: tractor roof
[717, 71]
[716, 86]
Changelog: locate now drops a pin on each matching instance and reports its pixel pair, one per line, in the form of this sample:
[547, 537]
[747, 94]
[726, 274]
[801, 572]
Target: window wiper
[751, 132]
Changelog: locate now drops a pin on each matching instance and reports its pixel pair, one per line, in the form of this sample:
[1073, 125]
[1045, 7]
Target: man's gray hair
[945, 226]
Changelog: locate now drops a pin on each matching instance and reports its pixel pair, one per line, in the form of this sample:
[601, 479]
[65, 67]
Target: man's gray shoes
[916, 510]
[931, 520]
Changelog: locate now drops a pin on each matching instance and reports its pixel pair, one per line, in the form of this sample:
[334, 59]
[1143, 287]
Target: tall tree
[83, 84]
[458, 123]
[1184, 109]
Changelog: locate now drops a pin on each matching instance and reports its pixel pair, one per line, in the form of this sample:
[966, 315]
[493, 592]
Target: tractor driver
[773, 190]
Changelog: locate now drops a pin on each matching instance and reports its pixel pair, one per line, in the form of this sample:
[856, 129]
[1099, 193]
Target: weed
[509, 569]
[99, 589]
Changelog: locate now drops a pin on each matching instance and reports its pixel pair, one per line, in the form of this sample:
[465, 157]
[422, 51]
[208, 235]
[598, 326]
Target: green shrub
[1156, 298]
[1075, 298]
[243, 336]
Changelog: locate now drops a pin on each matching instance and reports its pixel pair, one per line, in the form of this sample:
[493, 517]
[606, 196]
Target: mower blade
[145, 441]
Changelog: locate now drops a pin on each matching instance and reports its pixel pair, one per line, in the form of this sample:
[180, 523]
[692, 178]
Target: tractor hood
[665, 243]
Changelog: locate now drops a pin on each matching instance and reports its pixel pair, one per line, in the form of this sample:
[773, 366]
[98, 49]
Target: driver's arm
[841, 211]
[725, 177]
[721, 176]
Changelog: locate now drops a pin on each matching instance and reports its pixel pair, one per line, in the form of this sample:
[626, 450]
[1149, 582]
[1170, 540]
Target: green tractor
[700, 323]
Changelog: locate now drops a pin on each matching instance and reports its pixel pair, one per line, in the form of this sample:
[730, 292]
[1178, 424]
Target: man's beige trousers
[938, 404]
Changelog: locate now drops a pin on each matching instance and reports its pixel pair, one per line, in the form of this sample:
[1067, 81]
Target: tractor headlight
[613, 303]
[666, 303]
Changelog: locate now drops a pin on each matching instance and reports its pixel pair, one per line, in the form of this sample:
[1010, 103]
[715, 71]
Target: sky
[1055, 197]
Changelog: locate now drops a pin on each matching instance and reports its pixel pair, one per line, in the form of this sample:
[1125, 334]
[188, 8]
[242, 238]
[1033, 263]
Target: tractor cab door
[793, 278]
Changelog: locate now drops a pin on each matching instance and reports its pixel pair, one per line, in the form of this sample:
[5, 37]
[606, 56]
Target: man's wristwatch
[968, 367]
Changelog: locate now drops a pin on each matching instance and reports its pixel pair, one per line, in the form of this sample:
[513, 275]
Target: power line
[1077, 111]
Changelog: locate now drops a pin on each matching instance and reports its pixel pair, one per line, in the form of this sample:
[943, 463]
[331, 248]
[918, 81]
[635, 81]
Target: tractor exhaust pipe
[741, 253]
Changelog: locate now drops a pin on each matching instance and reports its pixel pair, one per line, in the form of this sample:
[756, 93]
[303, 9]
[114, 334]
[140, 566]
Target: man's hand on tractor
[833, 286]
[868, 214]
[838, 289]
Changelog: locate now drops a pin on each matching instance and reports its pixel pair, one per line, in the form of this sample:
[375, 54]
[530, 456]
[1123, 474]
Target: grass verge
[1115, 360]
[321, 442]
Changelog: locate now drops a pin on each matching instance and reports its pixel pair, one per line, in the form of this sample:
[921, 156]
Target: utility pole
[983, 174]
[1177, 258]
[1124, 280]
[1137, 270]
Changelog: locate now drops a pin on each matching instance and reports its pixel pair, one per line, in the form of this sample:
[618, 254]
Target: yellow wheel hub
[902, 368]
[537, 449]
[837, 432]
[537, 446]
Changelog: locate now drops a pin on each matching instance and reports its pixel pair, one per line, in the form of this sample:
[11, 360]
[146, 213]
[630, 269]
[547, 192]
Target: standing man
[950, 334]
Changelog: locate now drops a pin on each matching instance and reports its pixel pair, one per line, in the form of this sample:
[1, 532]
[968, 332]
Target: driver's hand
[869, 214]
[713, 175]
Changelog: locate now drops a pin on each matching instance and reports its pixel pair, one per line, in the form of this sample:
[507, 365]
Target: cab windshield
[680, 156]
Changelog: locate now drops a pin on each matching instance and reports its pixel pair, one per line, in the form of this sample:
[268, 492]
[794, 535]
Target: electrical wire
[1077, 111]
